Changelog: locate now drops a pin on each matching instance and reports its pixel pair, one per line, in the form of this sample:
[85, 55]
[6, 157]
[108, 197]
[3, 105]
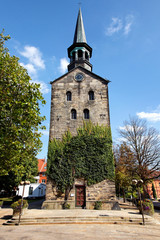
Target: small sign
[72, 194]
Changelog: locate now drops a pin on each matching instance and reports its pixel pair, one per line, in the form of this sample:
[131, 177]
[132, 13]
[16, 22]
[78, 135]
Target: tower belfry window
[86, 56]
[74, 57]
[73, 114]
[69, 96]
[80, 54]
[91, 95]
[86, 114]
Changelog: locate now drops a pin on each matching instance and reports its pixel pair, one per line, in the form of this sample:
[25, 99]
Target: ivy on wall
[87, 155]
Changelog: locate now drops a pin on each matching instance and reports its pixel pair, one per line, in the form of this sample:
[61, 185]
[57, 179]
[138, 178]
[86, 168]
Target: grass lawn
[8, 199]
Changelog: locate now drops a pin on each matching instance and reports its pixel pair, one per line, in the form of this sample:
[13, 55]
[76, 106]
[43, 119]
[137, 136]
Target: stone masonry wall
[101, 191]
[61, 108]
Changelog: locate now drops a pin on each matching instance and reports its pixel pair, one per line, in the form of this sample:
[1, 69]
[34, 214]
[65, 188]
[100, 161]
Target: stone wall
[103, 191]
[61, 121]
[61, 108]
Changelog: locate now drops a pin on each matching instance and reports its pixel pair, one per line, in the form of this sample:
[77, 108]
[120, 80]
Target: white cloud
[152, 117]
[118, 25]
[129, 22]
[115, 26]
[63, 65]
[35, 62]
[129, 127]
[43, 86]
[34, 56]
[120, 139]
[45, 132]
[30, 68]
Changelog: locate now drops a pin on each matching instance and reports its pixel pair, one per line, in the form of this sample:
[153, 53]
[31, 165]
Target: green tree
[124, 169]
[87, 155]
[20, 118]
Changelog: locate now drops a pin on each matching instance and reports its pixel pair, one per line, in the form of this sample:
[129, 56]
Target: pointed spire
[79, 36]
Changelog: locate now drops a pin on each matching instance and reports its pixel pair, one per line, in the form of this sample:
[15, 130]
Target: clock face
[79, 77]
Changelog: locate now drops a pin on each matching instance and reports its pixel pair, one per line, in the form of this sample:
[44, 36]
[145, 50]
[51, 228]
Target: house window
[69, 96]
[91, 95]
[43, 174]
[86, 114]
[73, 114]
[30, 190]
[43, 181]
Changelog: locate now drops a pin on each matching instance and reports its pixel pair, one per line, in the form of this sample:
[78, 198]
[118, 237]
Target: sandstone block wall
[61, 108]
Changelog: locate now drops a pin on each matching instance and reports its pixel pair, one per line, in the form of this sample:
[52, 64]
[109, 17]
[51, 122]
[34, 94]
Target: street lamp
[138, 183]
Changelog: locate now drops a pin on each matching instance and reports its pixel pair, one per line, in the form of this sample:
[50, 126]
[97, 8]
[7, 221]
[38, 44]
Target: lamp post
[20, 213]
[138, 183]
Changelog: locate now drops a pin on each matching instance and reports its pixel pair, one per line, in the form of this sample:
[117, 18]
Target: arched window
[86, 114]
[74, 55]
[86, 56]
[73, 114]
[80, 53]
[91, 95]
[69, 96]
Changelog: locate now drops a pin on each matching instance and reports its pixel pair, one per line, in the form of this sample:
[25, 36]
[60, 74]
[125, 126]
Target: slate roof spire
[80, 52]
[79, 35]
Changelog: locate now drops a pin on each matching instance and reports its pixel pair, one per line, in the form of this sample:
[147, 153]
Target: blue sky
[124, 35]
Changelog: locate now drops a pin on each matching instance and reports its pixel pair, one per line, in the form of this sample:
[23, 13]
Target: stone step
[78, 220]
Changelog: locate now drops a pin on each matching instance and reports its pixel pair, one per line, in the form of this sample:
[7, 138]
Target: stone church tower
[76, 96]
[79, 94]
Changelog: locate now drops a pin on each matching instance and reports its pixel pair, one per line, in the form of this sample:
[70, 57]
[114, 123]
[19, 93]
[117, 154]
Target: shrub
[147, 206]
[17, 205]
[98, 205]
[1, 203]
[66, 206]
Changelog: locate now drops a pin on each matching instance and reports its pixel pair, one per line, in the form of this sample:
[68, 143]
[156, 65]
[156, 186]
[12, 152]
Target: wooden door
[80, 196]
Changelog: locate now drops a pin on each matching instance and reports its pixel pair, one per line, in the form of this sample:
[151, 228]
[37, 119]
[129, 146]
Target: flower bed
[147, 206]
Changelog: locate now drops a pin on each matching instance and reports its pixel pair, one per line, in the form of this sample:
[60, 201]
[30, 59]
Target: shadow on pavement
[6, 217]
[36, 204]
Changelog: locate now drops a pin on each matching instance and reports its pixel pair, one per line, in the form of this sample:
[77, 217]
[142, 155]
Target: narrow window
[30, 190]
[69, 96]
[79, 53]
[91, 95]
[86, 114]
[86, 56]
[74, 57]
[73, 114]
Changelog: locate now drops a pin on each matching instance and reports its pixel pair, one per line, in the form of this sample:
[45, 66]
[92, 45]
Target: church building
[77, 96]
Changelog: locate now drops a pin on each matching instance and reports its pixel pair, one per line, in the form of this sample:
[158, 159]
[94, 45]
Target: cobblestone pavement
[79, 232]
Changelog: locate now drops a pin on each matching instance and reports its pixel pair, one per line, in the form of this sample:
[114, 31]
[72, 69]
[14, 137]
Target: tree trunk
[124, 197]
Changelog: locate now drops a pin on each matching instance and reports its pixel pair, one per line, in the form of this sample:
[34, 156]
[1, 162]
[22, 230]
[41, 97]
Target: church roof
[106, 81]
[79, 35]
